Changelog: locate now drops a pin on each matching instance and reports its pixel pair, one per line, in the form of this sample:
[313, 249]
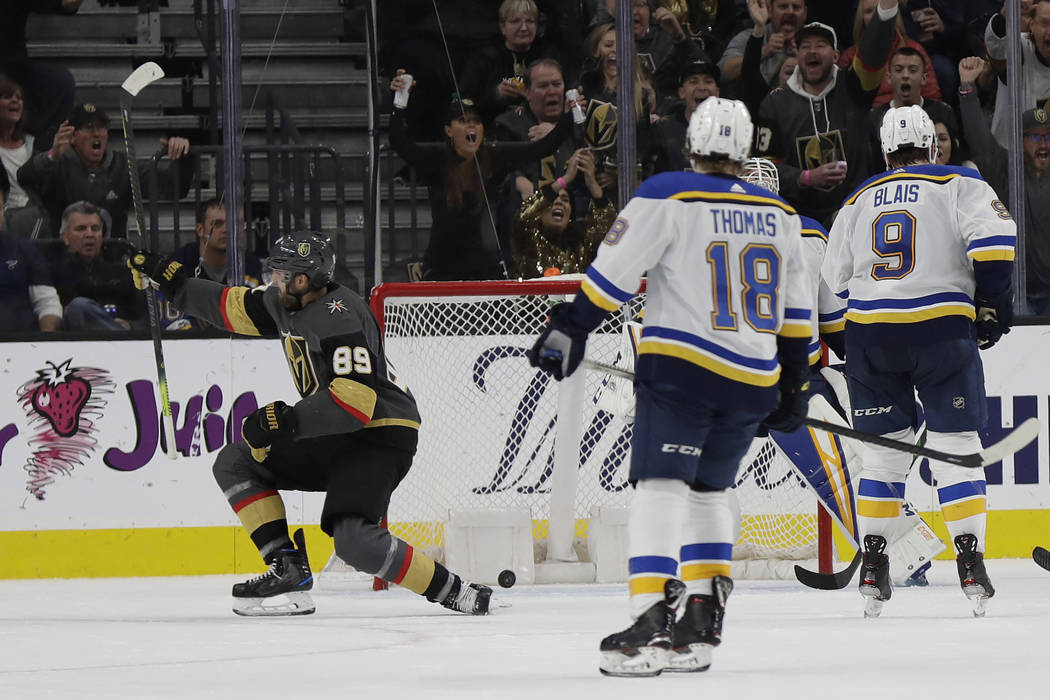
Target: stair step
[312, 20]
[190, 49]
[306, 92]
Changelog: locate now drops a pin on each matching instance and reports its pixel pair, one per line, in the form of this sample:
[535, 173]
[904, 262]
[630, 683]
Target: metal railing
[294, 196]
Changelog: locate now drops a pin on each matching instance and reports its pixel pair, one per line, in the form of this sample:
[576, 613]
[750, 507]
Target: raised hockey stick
[1041, 557]
[1014, 441]
[142, 76]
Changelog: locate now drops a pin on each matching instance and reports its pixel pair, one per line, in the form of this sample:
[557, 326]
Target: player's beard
[291, 302]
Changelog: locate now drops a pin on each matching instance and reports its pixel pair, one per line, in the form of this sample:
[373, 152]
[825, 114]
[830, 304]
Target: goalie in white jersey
[921, 251]
[724, 347]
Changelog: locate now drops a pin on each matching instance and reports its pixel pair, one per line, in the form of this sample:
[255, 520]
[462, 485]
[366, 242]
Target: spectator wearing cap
[663, 48]
[91, 276]
[463, 176]
[907, 76]
[993, 161]
[28, 300]
[698, 81]
[79, 167]
[816, 128]
[1035, 64]
[496, 77]
[783, 18]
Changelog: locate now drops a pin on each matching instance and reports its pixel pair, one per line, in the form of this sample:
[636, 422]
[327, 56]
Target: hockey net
[489, 422]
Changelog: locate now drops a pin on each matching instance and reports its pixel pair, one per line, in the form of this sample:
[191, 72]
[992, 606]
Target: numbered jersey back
[904, 244]
[725, 273]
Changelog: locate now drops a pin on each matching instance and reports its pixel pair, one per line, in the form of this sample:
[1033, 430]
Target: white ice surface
[176, 638]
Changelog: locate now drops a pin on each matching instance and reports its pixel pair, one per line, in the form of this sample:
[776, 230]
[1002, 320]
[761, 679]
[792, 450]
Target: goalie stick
[142, 76]
[1041, 557]
[1014, 441]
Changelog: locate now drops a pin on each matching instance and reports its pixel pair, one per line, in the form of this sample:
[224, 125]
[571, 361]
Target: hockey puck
[507, 578]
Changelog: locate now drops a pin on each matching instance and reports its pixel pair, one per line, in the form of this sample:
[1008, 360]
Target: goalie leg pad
[912, 550]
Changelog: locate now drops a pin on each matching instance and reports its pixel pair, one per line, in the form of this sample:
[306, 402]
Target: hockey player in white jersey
[828, 463]
[924, 253]
[723, 348]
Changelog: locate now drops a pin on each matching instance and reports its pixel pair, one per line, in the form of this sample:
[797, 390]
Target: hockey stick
[832, 581]
[1041, 557]
[141, 77]
[1014, 441]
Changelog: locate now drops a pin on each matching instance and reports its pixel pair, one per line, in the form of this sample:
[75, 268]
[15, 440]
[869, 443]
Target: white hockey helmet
[720, 127]
[907, 127]
[762, 172]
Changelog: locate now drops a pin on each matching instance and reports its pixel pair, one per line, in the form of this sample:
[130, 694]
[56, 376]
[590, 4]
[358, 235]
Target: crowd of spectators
[521, 167]
[817, 77]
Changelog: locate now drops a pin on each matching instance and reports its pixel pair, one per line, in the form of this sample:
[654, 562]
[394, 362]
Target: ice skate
[282, 590]
[469, 598]
[643, 648]
[972, 576]
[700, 629]
[875, 583]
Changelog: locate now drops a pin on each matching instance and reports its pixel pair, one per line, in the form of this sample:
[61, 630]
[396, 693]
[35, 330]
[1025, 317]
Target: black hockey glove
[787, 417]
[265, 425]
[147, 267]
[994, 318]
[559, 349]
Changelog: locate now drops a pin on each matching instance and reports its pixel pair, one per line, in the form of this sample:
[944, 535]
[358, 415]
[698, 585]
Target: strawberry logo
[60, 396]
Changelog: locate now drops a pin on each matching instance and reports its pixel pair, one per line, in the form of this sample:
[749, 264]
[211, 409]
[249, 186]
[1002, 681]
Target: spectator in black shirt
[92, 279]
[80, 167]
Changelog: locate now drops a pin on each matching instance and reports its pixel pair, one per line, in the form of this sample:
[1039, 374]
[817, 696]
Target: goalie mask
[719, 128]
[761, 172]
[907, 127]
[306, 252]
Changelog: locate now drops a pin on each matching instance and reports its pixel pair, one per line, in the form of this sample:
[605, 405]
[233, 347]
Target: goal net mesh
[489, 422]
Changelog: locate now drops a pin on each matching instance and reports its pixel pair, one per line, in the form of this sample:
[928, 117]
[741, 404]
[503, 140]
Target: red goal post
[490, 422]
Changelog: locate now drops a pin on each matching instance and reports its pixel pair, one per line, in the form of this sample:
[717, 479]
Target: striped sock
[654, 528]
[964, 507]
[878, 507]
[708, 548]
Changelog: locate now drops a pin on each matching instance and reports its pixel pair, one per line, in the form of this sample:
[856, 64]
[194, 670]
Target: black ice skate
[282, 590]
[875, 575]
[972, 576]
[700, 629]
[469, 598]
[643, 648]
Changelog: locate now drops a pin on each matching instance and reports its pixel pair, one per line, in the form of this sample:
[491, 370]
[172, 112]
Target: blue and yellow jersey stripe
[603, 293]
[814, 232]
[798, 323]
[833, 322]
[992, 248]
[670, 342]
[910, 310]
